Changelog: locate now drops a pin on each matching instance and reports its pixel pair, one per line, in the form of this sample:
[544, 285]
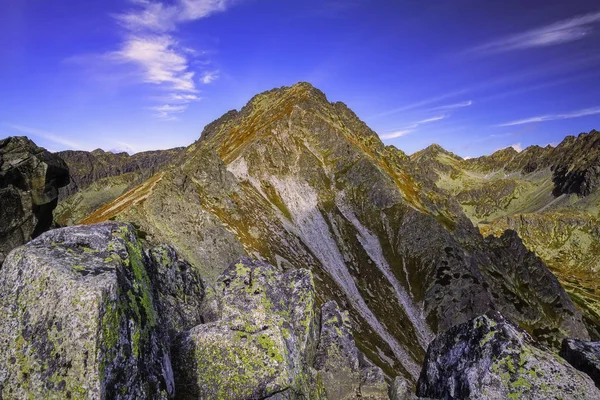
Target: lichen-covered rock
[78, 318]
[345, 372]
[263, 343]
[30, 178]
[337, 355]
[585, 356]
[180, 290]
[488, 358]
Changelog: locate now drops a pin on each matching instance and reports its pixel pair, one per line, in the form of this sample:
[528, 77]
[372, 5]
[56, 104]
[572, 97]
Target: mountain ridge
[298, 181]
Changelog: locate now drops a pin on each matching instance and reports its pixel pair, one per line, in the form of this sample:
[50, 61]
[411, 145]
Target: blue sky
[473, 76]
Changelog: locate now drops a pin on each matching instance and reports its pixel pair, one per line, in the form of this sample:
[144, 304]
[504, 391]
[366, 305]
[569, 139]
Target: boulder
[79, 319]
[400, 389]
[488, 358]
[263, 342]
[30, 178]
[585, 356]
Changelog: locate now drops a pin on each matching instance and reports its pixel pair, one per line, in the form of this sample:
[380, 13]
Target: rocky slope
[300, 182]
[30, 179]
[89, 312]
[98, 177]
[549, 196]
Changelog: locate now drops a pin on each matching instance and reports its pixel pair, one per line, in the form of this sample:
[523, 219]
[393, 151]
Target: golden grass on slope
[135, 196]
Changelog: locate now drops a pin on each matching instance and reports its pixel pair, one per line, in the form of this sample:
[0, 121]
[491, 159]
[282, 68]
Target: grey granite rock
[488, 358]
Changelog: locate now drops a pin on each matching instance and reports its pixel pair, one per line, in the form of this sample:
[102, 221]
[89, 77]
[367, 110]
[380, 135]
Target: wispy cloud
[162, 63]
[161, 17]
[410, 128]
[46, 135]
[453, 106]
[167, 111]
[564, 31]
[394, 135]
[209, 77]
[418, 104]
[150, 43]
[551, 117]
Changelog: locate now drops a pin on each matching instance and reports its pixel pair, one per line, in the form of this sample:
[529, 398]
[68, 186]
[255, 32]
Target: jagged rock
[337, 355]
[263, 344]
[488, 358]
[400, 389]
[180, 290]
[585, 356]
[30, 178]
[79, 319]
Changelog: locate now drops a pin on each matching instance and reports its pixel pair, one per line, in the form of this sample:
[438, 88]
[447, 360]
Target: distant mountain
[550, 196]
[303, 183]
[99, 177]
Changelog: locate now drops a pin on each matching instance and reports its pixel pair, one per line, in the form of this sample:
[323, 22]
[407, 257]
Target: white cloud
[395, 135]
[209, 77]
[47, 135]
[186, 98]
[150, 43]
[551, 117]
[159, 17]
[455, 105]
[409, 129]
[420, 103]
[167, 111]
[564, 31]
[432, 119]
[160, 60]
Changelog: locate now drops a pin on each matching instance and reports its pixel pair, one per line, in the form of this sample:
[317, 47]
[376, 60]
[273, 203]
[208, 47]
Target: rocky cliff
[30, 179]
[301, 182]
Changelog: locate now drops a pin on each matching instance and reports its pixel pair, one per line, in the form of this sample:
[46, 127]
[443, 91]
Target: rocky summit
[289, 254]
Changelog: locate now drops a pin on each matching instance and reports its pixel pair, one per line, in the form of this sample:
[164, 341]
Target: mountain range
[412, 247]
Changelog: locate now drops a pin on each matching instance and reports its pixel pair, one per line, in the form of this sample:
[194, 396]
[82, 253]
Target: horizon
[148, 75]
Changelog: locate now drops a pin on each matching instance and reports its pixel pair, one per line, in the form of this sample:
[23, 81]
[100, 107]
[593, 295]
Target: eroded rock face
[79, 319]
[30, 178]
[488, 358]
[585, 356]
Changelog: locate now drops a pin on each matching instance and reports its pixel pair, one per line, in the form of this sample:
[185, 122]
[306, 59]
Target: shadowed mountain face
[303, 183]
[98, 177]
[550, 196]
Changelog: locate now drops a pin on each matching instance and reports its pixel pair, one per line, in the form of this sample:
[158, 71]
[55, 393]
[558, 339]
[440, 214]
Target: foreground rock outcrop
[488, 358]
[79, 318]
[88, 312]
[30, 178]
